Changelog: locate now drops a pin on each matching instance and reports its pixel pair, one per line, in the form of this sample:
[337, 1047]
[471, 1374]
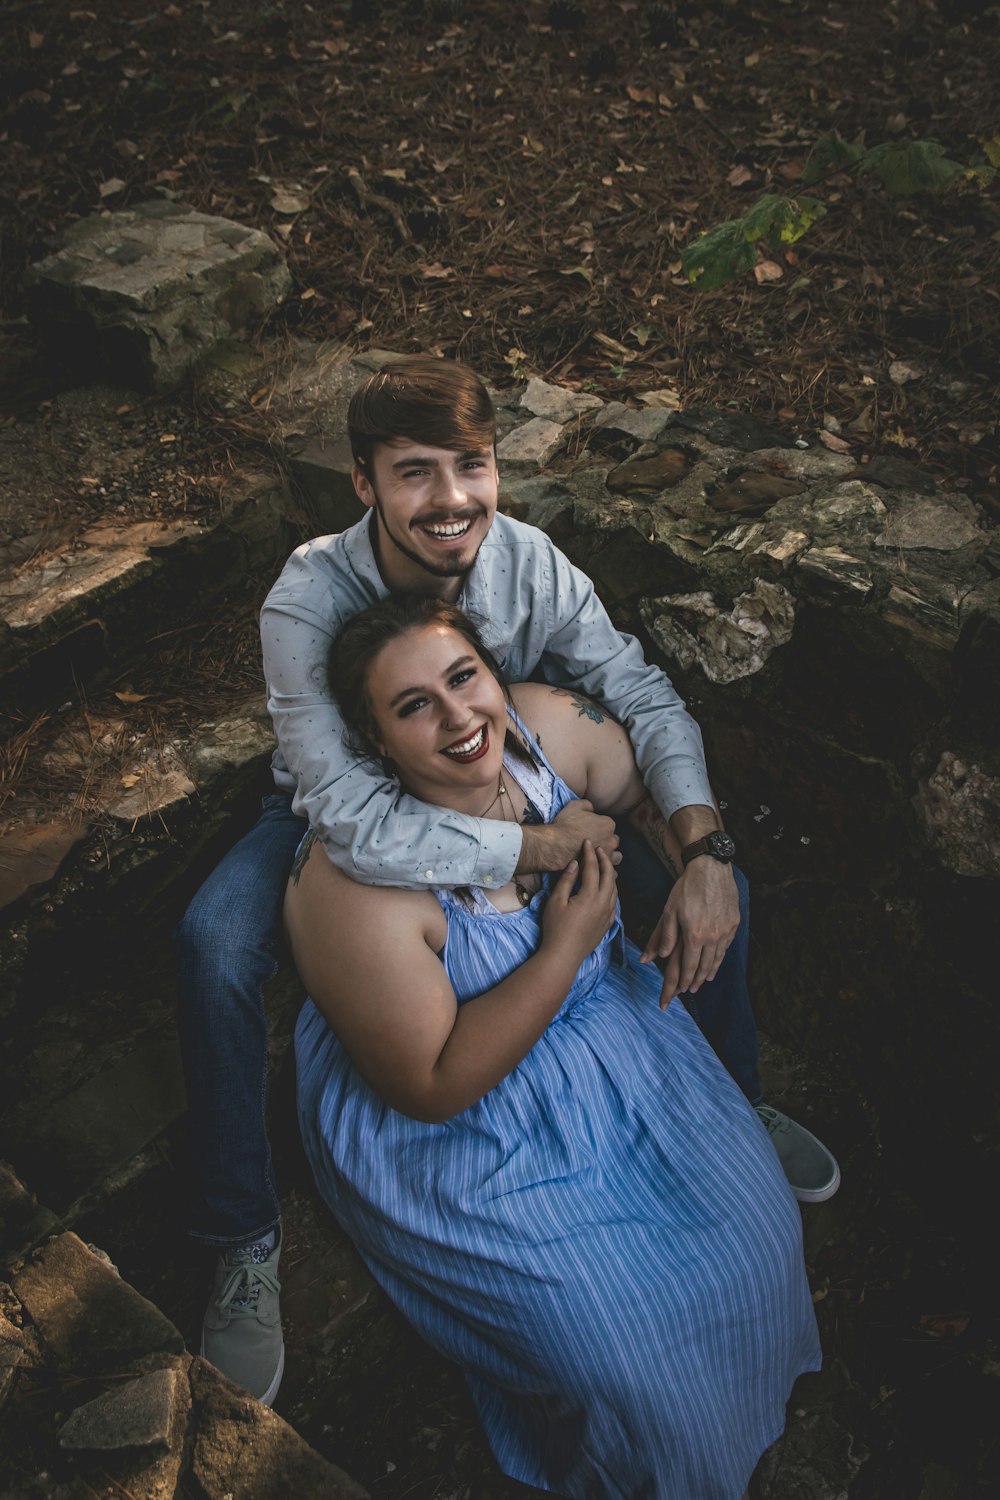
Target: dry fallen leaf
[665, 397]
[768, 270]
[834, 443]
[435, 271]
[125, 697]
[288, 201]
[35, 40]
[641, 96]
[111, 186]
[900, 372]
[738, 176]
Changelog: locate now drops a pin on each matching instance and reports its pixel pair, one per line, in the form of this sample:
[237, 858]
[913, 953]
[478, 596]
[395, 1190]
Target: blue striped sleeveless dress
[605, 1242]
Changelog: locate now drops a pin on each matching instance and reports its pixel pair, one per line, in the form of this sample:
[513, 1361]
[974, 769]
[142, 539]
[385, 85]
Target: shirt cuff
[499, 852]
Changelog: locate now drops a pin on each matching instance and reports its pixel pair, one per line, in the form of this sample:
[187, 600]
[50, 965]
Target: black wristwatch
[719, 845]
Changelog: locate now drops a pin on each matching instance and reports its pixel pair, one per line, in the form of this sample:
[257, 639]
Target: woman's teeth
[468, 746]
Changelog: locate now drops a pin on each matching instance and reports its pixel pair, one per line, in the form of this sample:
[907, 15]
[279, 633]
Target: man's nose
[450, 489]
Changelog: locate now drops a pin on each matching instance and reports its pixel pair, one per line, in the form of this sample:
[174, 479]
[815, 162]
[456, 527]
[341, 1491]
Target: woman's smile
[471, 748]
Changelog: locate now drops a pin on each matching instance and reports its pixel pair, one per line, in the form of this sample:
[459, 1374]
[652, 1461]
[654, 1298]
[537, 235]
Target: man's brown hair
[422, 399]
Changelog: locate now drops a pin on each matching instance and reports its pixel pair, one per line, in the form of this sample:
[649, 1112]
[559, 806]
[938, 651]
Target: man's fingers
[671, 977]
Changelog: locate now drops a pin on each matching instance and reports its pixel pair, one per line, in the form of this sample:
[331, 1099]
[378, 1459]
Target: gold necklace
[522, 892]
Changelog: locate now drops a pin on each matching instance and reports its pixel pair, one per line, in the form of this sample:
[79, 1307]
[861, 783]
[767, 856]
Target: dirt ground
[513, 184]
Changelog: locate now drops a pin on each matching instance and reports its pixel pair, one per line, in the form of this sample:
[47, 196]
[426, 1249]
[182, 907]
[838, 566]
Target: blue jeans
[722, 1007]
[228, 945]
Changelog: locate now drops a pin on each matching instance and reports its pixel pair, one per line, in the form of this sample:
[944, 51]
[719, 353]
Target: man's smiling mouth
[471, 748]
[446, 531]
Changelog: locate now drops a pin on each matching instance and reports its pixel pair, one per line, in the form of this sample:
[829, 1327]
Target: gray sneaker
[812, 1172]
[241, 1334]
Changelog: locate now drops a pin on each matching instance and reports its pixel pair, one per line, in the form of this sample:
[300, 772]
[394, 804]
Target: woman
[557, 1183]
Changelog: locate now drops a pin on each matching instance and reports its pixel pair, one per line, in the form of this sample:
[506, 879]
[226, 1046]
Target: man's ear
[362, 486]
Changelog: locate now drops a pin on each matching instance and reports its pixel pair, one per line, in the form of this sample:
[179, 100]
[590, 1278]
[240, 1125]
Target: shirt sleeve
[585, 651]
[369, 828]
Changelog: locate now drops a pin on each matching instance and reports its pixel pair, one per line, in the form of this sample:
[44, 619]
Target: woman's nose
[456, 713]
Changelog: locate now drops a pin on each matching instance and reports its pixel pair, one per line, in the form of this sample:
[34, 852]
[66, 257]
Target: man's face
[434, 507]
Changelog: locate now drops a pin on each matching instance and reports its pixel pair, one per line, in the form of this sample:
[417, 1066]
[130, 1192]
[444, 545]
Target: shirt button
[487, 880]
[428, 874]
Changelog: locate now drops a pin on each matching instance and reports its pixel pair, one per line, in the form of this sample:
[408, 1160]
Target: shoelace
[770, 1118]
[240, 1291]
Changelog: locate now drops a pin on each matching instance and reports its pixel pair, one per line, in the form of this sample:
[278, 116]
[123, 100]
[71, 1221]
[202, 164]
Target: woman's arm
[369, 959]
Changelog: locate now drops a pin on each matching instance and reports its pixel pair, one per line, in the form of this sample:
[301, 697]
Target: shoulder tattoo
[302, 854]
[586, 708]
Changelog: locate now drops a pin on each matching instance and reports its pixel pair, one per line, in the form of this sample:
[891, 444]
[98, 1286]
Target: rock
[691, 628]
[839, 571]
[232, 744]
[896, 474]
[936, 525]
[850, 501]
[12, 1354]
[244, 1450]
[23, 1220]
[645, 426]
[140, 1414]
[733, 429]
[817, 1458]
[661, 472]
[926, 609]
[531, 445]
[753, 493]
[88, 1319]
[782, 552]
[555, 403]
[156, 790]
[142, 295]
[98, 1127]
[959, 807]
[324, 469]
[31, 856]
[539, 500]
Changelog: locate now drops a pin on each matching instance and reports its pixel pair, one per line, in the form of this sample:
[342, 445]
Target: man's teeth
[449, 529]
[469, 745]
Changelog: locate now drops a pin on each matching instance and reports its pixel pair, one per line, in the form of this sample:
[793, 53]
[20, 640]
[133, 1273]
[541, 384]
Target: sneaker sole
[268, 1397]
[820, 1194]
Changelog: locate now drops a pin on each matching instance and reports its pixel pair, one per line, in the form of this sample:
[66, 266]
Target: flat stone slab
[137, 1415]
[87, 1317]
[71, 1146]
[30, 857]
[142, 295]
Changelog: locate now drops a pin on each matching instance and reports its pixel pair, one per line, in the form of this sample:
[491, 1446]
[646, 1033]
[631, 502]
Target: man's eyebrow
[456, 665]
[426, 462]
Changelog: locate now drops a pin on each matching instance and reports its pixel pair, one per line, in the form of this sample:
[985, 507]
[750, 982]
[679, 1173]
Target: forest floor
[513, 184]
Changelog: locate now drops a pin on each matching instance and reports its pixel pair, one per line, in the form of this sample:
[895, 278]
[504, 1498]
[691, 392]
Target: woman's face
[441, 716]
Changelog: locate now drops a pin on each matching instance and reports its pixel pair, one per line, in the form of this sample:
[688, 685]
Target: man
[423, 438]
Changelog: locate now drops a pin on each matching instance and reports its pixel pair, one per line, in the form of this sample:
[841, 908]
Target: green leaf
[992, 150]
[717, 256]
[829, 153]
[910, 167]
[781, 221]
[723, 252]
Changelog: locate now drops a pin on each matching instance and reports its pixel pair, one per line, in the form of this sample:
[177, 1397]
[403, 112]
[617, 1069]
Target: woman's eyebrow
[456, 665]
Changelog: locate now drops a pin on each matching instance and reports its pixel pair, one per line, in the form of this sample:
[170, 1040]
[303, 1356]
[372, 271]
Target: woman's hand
[577, 916]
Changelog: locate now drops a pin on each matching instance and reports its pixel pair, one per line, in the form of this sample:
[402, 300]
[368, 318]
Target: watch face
[722, 846]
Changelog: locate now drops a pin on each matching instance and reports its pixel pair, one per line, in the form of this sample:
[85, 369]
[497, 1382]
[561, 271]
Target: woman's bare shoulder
[318, 889]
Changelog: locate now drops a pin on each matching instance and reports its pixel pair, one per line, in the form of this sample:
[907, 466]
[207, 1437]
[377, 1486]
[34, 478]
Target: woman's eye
[463, 677]
[411, 707]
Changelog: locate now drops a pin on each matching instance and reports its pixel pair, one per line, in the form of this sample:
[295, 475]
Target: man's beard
[448, 568]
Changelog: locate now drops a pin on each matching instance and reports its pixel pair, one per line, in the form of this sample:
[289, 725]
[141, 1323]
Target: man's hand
[699, 921]
[551, 846]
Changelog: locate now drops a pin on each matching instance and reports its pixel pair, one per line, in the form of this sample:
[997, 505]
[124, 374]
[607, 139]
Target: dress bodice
[483, 944]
